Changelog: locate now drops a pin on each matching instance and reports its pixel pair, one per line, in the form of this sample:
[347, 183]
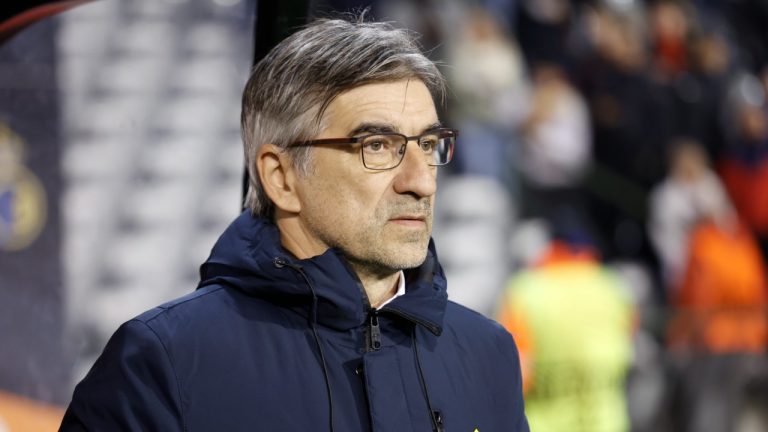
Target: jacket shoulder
[471, 327]
[191, 302]
[214, 313]
[466, 319]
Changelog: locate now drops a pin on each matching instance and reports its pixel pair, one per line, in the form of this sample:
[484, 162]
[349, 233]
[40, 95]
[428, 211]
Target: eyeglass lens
[385, 151]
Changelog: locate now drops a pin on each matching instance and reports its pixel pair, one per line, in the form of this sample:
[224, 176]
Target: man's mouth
[409, 220]
[411, 217]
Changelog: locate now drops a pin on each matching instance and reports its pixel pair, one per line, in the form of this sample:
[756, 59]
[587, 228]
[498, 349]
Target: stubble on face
[398, 247]
[373, 241]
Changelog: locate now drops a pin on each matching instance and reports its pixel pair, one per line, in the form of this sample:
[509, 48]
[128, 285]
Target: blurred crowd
[634, 135]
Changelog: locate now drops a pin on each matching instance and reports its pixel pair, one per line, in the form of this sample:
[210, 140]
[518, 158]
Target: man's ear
[278, 178]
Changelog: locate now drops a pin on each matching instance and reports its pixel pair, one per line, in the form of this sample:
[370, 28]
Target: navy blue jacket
[272, 343]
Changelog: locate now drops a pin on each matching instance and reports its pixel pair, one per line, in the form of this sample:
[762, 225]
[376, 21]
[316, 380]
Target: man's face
[381, 220]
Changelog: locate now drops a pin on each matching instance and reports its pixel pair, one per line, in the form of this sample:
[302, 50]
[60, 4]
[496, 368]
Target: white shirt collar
[400, 290]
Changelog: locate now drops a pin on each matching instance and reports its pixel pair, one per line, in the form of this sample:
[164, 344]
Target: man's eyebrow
[386, 128]
[433, 126]
[364, 128]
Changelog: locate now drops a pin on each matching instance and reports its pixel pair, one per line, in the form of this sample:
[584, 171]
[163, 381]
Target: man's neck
[378, 287]
[379, 284]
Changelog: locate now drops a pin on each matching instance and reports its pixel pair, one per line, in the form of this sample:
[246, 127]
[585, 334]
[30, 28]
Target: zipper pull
[374, 332]
[438, 421]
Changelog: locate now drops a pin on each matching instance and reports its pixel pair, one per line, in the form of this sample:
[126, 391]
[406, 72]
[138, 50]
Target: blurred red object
[747, 184]
[722, 303]
[15, 19]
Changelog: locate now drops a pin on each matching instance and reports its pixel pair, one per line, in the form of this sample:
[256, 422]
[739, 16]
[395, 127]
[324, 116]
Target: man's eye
[376, 144]
[427, 144]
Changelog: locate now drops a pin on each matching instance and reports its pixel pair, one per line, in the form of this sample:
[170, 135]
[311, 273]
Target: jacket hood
[249, 257]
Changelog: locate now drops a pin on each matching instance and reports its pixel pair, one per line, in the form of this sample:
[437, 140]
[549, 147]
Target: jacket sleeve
[131, 387]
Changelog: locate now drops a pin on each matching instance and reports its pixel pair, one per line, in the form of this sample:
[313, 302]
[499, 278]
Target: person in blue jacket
[323, 306]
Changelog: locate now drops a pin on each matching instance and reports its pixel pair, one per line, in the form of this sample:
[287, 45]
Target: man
[323, 307]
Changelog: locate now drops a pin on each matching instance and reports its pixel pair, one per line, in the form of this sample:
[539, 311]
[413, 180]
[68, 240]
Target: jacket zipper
[373, 337]
[372, 329]
[373, 342]
[438, 420]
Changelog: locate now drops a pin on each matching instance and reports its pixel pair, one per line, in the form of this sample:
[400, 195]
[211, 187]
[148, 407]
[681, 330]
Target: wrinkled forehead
[404, 106]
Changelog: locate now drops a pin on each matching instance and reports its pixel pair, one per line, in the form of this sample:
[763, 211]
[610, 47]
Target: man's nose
[415, 175]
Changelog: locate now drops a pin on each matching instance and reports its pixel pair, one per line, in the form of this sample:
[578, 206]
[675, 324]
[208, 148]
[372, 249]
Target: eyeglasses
[385, 151]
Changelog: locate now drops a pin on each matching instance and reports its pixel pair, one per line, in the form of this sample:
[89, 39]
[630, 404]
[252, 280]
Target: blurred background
[608, 202]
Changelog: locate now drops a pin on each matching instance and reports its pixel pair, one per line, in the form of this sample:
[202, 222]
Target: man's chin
[393, 258]
[409, 255]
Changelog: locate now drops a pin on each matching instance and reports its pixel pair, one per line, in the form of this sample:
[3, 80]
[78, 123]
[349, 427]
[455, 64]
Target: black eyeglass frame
[440, 132]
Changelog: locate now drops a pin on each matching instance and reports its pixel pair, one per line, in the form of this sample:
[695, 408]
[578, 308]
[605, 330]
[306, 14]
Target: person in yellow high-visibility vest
[573, 321]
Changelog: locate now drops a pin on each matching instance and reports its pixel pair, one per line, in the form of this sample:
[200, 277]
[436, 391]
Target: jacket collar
[248, 256]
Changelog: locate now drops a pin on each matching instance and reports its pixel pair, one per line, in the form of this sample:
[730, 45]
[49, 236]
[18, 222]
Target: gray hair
[289, 90]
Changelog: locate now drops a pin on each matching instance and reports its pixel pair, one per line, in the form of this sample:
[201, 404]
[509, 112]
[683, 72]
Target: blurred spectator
[630, 123]
[556, 141]
[718, 333]
[744, 167]
[670, 31]
[690, 193]
[700, 94]
[488, 79]
[573, 321]
[543, 27]
[721, 302]
[719, 329]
